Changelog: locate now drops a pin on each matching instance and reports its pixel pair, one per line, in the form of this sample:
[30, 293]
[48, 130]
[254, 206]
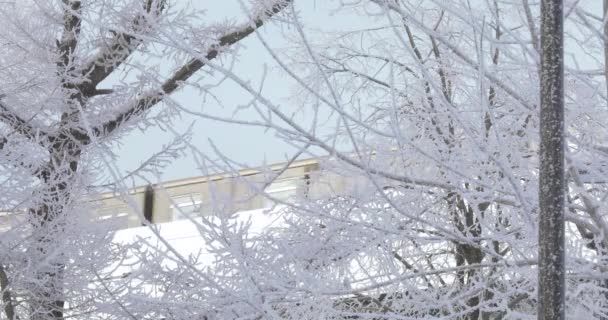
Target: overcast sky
[253, 146]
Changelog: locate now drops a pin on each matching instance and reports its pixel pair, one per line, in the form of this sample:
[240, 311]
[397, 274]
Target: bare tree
[58, 115]
[437, 111]
[430, 176]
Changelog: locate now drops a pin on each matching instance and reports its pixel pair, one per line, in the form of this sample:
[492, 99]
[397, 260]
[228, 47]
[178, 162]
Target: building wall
[220, 194]
[212, 195]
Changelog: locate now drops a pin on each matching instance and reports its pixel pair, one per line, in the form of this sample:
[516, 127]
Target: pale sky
[253, 146]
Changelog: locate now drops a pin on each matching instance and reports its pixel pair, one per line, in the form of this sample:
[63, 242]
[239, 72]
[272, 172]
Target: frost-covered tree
[75, 77]
[437, 112]
[436, 106]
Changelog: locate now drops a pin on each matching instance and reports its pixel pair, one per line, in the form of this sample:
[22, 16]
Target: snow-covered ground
[185, 236]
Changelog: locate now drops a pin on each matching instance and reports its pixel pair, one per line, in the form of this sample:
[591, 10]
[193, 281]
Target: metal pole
[551, 280]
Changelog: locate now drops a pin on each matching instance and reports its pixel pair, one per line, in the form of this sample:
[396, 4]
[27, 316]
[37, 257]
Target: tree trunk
[551, 258]
[48, 299]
